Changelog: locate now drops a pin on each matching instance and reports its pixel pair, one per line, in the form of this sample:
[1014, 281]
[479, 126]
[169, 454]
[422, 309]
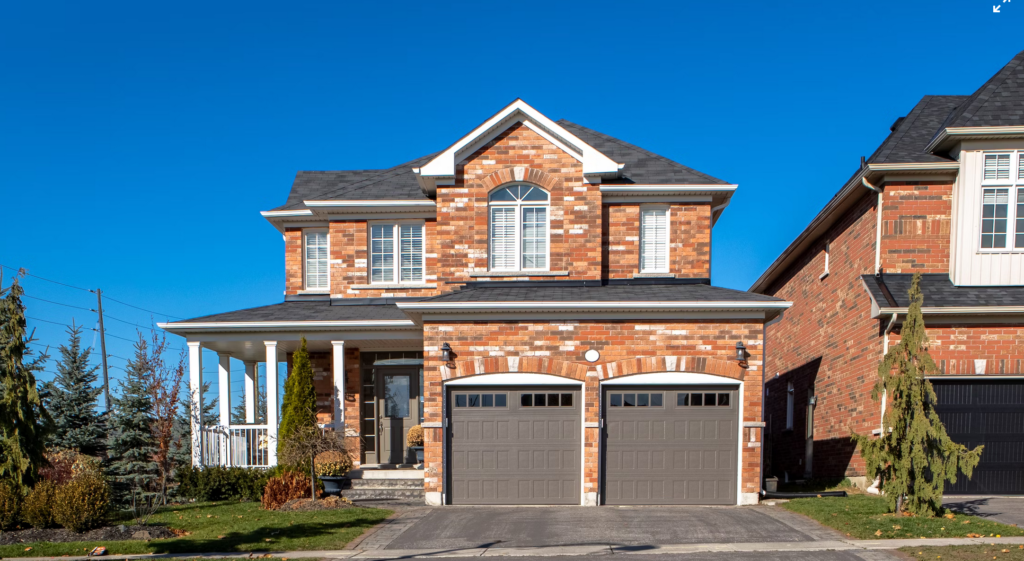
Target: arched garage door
[515, 445]
[670, 445]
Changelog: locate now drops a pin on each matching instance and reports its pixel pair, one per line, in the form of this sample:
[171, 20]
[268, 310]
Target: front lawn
[229, 526]
[864, 517]
[966, 552]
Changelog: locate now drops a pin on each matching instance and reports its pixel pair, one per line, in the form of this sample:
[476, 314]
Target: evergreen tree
[24, 422]
[238, 411]
[71, 400]
[914, 457]
[181, 450]
[299, 408]
[132, 444]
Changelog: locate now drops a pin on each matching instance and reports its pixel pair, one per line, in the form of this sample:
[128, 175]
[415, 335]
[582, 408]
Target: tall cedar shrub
[132, 444]
[299, 408]
[915, 457]
[24, 422]
[72, 400]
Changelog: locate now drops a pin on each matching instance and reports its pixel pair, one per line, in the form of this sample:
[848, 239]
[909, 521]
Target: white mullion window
[396, 253]
[518, 228]
[316, 260]
[654, 242]
[1002, 201]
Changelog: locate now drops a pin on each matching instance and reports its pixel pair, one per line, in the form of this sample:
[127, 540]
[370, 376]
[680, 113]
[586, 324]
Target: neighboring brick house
[537, 296]
[949, 181]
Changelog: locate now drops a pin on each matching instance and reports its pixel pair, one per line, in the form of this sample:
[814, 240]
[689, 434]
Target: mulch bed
[60, 535]
[307, 505]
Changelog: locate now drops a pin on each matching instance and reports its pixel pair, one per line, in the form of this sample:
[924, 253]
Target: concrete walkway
[1008, 510]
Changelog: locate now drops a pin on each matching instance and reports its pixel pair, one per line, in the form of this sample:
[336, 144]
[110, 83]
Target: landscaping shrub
[38, 507]
[289, 485]
[10, 504]
[415, 436]
[82, 504]
[217, 483]
[64, 465]
[332, 463]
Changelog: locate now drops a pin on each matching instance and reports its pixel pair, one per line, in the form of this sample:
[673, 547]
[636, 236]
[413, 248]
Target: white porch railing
[236, 446]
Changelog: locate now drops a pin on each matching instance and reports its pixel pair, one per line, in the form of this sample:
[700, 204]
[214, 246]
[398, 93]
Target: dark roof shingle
[907, 142]
[940, 292]
[522, 292]
[318, 310]
[998, 103]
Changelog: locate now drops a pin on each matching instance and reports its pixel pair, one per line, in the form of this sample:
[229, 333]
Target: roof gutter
[957, 310]
[589, 306]
[956, 133]
[182, 326]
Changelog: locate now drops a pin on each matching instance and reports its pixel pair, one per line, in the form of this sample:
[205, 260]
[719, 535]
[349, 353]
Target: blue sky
[140, 140]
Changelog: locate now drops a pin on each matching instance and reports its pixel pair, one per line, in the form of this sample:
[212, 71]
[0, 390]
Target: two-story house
[942, 196]
[537, 296]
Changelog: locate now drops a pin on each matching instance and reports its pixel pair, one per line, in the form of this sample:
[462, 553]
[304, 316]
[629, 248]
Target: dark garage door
[670, 445]
[515, 445]
[989, 412]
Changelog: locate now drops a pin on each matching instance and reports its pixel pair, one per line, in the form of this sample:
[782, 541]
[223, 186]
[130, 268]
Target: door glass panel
[629, 399]
[474, 400]
[396, 396]
[552, 400]
[616, 400]
[566, 400]
[500, 400]
[526, 400]
[655, 400]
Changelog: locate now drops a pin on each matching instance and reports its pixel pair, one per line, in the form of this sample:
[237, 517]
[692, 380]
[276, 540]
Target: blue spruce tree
[71, 400]
[132, 444]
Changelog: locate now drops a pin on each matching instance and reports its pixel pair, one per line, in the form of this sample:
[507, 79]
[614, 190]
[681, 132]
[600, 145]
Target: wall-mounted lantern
[446, 352]
[741, 352]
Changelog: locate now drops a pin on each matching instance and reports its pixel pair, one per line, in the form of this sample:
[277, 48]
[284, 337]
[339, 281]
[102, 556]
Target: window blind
[535, 237]
[382, 253]
[503, 238]
[654, 240]
[411, 236]
[316, 260]
[994, 210]
[997, 166]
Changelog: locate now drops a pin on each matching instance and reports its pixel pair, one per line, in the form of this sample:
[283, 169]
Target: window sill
[519, 273]
[389, 286]
[319, 291]
[823, 275]
[653, 276]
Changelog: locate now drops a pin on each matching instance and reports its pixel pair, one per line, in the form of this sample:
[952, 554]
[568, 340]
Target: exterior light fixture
[446, 352]
[741, 352]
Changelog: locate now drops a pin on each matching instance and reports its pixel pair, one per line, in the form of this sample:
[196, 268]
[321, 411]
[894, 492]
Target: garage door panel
[522, 454]
[670, 454]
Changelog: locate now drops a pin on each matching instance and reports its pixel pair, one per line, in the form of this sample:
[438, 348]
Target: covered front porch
[367, 376]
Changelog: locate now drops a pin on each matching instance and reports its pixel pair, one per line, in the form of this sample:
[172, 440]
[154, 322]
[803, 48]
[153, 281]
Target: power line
[108, 316]
[143, 309]
[48, 280]
[57, 303]
[48, 321]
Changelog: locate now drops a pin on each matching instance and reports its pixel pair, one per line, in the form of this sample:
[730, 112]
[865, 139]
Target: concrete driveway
[1008, 510]
[452, 528]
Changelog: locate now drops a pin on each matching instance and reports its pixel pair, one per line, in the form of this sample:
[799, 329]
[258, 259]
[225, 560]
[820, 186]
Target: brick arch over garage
[652, 365]
[520, 173]
[506, 365]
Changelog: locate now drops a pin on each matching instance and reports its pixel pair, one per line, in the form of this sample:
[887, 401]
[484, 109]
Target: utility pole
[103, 348]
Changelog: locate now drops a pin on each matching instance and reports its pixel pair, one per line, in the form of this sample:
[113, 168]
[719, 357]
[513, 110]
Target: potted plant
[331, 468]
[415, 441]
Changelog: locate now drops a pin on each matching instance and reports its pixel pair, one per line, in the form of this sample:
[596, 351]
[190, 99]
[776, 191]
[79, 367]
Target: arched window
[519, 228]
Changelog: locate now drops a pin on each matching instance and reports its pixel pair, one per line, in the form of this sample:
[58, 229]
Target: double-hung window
[316, 260]
[654, 240]
[396, 253]
[1002, 201]
[519, 228]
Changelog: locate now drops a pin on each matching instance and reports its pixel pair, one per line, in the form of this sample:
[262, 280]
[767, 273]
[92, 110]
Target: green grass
[965, 552]
[864, 517]
[229, 526]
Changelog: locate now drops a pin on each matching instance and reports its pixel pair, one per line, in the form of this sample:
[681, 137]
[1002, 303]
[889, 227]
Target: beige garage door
[515, 445]
[670, 445]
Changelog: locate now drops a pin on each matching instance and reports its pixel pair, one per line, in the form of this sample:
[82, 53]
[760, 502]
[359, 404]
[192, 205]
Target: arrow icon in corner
[995, 10]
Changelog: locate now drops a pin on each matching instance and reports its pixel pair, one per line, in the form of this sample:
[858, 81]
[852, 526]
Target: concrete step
[413, 496]
[384, 484]
[373, 473]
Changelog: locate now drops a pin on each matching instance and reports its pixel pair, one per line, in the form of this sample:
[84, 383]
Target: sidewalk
[825, 545]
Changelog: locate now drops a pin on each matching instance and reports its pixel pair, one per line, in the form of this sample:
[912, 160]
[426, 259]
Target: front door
[398, 410]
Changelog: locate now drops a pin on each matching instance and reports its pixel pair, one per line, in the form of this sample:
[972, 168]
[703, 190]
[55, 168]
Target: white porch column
[338, 364]
[195, 390]
[224, 394]
[251, 391]
[272, 400]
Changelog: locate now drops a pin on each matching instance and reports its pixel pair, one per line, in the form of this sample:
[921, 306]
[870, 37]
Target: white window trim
[305, 261]
[828, 251]
[396, 248]
[519, 206]
[1014, 184]
[668, 239]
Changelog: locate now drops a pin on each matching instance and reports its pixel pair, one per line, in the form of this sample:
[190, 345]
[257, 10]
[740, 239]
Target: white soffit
[670, 379]
[443, 165]
[513, 380]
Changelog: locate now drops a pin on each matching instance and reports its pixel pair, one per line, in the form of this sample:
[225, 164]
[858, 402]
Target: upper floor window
[1002, 201]
[654, 240]
[396, 253]
[519, 228]
[316, 259]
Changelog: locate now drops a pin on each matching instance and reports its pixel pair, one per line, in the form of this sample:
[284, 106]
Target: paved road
[733, 556]
[452, 528]
[1008, 510]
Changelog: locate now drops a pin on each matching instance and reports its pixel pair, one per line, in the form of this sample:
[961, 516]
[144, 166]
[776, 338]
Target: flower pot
[418, 451]
[332, 484]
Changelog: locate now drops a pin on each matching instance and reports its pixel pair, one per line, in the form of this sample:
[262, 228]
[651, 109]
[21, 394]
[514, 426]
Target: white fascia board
[958, 310]
[286, 213]
[951, 132]
[283, 325]
[627, 190]
[594, 162]
[370, 203]
[585, 306]
[916, 167]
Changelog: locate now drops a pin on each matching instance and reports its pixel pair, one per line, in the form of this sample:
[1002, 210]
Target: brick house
[942, 196]
[537, 297]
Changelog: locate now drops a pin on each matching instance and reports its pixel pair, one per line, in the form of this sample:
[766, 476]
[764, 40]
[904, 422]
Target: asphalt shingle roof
[606, 293]
[939, 292]
[908, 140]
[998, 103]
[320, 310]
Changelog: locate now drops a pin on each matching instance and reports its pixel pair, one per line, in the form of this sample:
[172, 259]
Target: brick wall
[558, 346]
[956, 349]
[827, 339]
[689, 240]
[350, 273]
[916, 227]
[293, 260]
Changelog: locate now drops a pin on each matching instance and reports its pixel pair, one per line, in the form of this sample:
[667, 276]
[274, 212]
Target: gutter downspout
[878, 224]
